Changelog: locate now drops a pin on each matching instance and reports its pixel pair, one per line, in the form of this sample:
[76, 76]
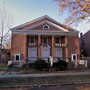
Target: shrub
[61, 65]
[31, 65]
[40, 64]
[25, 66]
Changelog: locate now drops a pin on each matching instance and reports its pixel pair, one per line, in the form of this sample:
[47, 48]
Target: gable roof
[56, 24]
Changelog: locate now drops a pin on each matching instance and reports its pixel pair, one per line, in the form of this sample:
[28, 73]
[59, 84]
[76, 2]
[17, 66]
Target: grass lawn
[33, 71]
[44, 80]
[3, 67]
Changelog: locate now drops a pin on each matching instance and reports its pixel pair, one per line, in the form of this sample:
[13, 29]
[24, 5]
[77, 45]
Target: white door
[32, 53]
[45, 52]
[58, 52]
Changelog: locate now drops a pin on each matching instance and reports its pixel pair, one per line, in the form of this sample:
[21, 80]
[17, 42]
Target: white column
[53, 48]
[66, 49]
[39, 43]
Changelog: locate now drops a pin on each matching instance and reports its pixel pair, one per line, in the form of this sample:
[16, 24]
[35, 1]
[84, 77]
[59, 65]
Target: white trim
[36, 25]
[48, 22]
[45, 16]
[47, 46]
[15, 57]
[37, 19]
[74, 55]
[57, 26]
[43, 32]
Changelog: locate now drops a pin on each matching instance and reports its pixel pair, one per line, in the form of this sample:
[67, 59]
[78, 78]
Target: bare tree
[7, 44]
[77, 10]
[5, 25]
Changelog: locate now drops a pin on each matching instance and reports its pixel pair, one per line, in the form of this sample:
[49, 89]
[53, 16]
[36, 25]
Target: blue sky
[27, 10]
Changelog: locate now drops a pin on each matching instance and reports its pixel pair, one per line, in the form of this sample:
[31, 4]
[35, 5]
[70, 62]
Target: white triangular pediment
[49, 23]
[45, 46]
[42, 20]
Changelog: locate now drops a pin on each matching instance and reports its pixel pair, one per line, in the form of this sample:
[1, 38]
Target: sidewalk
[67, 73]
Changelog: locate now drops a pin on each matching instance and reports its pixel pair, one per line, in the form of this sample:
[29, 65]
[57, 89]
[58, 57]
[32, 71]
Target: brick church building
[42, 38]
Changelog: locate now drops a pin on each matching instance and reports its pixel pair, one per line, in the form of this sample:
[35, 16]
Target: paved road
[56, 88]
[62, 87]
[46, 75]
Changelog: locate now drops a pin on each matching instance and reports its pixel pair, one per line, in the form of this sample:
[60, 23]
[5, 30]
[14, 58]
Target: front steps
[16, 65]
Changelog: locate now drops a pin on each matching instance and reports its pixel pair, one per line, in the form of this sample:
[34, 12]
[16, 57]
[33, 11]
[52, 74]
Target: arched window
[46, 26]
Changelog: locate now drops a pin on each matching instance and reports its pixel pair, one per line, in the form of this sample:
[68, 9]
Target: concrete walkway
[68, 73]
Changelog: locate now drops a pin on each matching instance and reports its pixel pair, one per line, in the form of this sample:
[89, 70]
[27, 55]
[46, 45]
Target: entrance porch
[44, 46]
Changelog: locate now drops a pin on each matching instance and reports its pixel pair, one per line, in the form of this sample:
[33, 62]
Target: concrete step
[81, 66]
[14, 68]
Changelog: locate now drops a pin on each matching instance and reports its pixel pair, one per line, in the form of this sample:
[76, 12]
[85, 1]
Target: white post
[51, 61]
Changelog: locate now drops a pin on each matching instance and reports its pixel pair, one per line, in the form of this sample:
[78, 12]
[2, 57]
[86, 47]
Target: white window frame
[72, 56]
[47, 26]
[15, 57]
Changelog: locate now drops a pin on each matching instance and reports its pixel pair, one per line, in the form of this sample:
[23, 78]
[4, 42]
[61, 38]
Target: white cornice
[43, 32]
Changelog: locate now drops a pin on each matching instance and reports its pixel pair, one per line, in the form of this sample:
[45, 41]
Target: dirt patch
[83, 87]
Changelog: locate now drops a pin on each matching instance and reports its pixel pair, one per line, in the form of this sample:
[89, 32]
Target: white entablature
[42, 32]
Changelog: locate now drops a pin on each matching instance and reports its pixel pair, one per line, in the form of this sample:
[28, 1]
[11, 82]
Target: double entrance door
[32, 53]
[45, 52]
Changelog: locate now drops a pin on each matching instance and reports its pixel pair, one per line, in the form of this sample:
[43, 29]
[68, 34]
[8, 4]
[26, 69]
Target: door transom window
[45, 40]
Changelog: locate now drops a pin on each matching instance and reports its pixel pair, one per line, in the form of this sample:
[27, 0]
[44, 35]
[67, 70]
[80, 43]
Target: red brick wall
[19, 45]
[86, 43]
[73, 46]
[41, 27]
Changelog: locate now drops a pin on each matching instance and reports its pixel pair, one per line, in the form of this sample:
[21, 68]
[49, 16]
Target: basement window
[74, 57]
[17, 57]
